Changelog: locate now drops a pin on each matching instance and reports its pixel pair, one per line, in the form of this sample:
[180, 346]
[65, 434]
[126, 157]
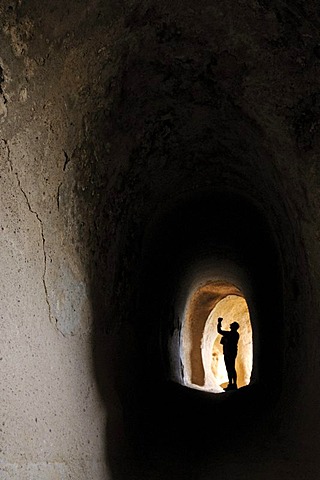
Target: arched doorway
[231, 308]
[201, 351]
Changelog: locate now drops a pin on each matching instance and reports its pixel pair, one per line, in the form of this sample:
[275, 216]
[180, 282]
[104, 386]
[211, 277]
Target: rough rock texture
[110, 114]
[203, 301]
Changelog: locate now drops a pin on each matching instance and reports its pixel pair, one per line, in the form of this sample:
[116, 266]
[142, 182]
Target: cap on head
[234, 326]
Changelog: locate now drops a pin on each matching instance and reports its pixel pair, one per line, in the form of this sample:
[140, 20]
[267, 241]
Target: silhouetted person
[229, 341]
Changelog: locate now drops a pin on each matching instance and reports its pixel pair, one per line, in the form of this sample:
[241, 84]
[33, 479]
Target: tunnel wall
[53, 419]
[110, 112]
[197, 311]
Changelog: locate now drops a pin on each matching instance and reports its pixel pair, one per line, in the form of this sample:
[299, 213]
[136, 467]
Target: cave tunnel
[220, 243]
[223, 243]
[201, 351]
[159, 169]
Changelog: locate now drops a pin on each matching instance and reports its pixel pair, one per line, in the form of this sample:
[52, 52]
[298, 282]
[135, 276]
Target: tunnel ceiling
[112, 114]
[150, 100]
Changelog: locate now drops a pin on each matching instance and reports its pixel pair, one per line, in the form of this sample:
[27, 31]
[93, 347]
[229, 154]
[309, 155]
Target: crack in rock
[67, 159]
[58, 195]
[6, 144]
[40, 224]
[3, 98]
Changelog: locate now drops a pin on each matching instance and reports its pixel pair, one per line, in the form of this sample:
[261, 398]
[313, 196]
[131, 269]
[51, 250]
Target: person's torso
[230, 343]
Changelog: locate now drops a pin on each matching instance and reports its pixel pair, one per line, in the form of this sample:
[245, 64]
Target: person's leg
[228, 368]
[231, 370]
[234, 373]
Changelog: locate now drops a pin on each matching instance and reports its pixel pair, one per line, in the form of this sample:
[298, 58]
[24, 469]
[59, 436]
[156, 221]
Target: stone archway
[231, 308]
[201, 352]
[201, 302]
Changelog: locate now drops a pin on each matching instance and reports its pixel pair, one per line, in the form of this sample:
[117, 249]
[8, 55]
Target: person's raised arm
[222, 332]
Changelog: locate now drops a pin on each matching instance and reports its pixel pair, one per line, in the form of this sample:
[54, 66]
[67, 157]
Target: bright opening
[201, 351]
[232, 309]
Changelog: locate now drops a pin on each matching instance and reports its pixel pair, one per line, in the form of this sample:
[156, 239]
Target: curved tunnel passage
[208, 236]
[232, 308]
[201, 349]
[214, 237]
[109, 112]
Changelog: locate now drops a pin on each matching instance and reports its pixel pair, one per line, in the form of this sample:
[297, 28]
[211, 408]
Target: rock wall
[112, 115]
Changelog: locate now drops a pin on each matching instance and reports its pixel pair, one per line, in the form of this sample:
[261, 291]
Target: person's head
[220, 319]
[234, 326]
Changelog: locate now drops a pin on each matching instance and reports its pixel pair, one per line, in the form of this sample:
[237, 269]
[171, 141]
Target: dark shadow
[157, 429]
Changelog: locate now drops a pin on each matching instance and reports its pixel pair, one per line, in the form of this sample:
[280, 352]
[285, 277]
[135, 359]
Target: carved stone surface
[111, 113]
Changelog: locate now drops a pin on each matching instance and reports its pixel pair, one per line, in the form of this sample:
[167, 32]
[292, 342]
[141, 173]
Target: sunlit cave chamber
[210, 255]
[201, 349]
